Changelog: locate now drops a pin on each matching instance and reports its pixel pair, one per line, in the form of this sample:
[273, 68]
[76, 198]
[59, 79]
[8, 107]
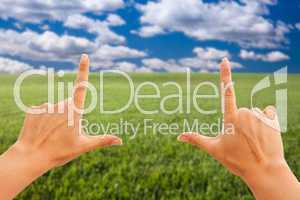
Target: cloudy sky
[141, 35]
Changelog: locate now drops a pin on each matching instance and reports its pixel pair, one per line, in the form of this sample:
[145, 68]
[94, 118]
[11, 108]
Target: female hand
[250, 146]
[47, 140]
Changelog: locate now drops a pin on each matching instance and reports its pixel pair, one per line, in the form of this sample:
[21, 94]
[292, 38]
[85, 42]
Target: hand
[46, 141]
[250, 145]
[49, 136]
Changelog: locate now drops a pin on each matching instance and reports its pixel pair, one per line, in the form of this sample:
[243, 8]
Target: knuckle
[244, 110]
[271, 108]
[80, 88]
[226, 73]
[244, 113]
[28, 114]
[45, 105]
[229, 92]
[31, 110]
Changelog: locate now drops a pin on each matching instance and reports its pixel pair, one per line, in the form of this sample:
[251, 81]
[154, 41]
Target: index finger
[80, 84]
[228, 95]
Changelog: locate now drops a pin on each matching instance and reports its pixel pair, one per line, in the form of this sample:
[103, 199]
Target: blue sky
[140, 35]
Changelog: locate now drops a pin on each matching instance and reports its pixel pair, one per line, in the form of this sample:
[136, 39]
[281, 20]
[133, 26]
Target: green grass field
[152, 165]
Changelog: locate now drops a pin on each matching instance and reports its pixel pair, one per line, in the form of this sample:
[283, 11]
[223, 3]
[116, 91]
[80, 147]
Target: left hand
[46, 141]
[48, 135]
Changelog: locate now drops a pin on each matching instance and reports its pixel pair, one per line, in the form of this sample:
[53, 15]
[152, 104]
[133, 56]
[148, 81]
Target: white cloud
[198, 64]
[36, 11]
[155, 64]
[129, 67]
[270, 2]
[206, 59]
[10, 66]
[101, 28]
[114, 20]
[108, 57]
[143, 70]
[210, 53]
[126, 66]
[231, 21]
[45, 27]
[116, 52]
[48, 46]
[45, 46]
[273, 56]
[297, 26]
[70, 13]
[149, 31]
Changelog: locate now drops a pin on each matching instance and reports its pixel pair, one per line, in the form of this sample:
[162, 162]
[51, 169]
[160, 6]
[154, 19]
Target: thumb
[270, 112]
[90, 143]
[205, 143]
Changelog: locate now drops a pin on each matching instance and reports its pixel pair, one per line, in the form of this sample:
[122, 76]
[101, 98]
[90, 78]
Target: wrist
[269, 181]
[32, 162]
[19, 168]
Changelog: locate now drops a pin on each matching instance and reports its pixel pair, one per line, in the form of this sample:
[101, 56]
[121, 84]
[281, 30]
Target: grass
[152, 165]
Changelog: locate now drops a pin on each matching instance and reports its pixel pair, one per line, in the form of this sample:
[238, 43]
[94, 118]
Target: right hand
[251, 144]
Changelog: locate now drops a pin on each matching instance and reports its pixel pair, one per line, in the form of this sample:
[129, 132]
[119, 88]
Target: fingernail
[84, 56]
[271, 114]
[183, 138]
[225, 59]
[116, 142]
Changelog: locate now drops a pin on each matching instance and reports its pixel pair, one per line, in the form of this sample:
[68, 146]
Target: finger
[90, 143]
[228, 94]
[208, 144]
[44, 105]
[82, 77]
[270, 112]
[258, 111]
[63, 106]
[40, 109]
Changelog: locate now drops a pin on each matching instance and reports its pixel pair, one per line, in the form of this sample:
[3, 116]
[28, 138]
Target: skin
[250, 147]
[42, 146]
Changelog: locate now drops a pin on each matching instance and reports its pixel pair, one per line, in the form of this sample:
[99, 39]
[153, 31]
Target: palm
[242, 144]
[57, 135]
